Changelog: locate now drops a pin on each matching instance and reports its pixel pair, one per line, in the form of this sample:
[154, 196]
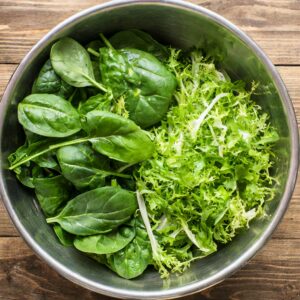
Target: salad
[142, 155]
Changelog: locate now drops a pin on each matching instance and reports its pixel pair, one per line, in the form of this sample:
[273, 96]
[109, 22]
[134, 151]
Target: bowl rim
[251, 251]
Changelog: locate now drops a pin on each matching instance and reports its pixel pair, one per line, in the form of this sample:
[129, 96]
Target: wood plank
[6, 226]
[274, 271]
[275, 25]
[6, 71]
[291, 76]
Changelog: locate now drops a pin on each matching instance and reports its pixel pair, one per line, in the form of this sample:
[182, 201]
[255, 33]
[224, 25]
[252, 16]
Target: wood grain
[277, 267]
[274, 25]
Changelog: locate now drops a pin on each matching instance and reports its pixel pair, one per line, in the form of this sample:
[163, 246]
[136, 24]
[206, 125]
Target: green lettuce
[210, 173]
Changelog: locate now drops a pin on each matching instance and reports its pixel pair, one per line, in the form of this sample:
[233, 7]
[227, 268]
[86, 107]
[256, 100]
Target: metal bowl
[183, 25]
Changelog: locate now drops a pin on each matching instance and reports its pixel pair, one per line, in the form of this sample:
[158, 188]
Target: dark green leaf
[52, 193]
[116, 72]
[148, 102]
[72, 63]
[132, 260]
[97, 102]
[138, 39]
[48, 82]
[81, 165]
[95, 46]
[97, 211]
[48, 115]
[117, 137]
[64, 237]
[106, 243]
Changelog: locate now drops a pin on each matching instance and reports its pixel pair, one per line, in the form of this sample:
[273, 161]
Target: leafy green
[48, 82]
[209, 175]
[106, 243]
[131, 261]
[52, 193]
[48, 115]
[117, 137]
[145, 83]
[96, 211]
[84, 167]
[65, 238]
[140, 40]
[116, 72]
[148, 102]
[72, 63]
[97, 102]
[109, 134]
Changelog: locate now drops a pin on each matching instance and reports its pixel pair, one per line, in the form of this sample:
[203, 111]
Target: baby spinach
[117, 137]
[134, 146]
[65, 238]
[131, 261]
[148, 102]
[96, 211]
[116, 72]
[84, 167]
[145, 83]
[72, 63]
[52, 193]
[97, 102]
[23, 174]
[48, 82]
[138, 39]
[106, 243]
[48, 115]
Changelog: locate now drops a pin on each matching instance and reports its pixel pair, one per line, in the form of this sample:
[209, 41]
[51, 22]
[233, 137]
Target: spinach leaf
[23, 174]
[48, 82]
[47, 160]
[96, 211]
[84, 167]
[138, 39]
[97, 102]
[116, 72]
[145, 83]
[100, 258]
[72, 63]
[65, 238]
[110, 134]
[148, 102]
[52, 193]
[106, 243]
[48, 115]
[32, 137]
[117, 137]
[132, 260]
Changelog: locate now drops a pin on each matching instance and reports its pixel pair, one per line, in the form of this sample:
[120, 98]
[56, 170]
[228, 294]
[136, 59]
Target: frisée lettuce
[210, 173]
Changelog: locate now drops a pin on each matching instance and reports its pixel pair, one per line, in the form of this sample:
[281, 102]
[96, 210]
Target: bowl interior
[179, 25]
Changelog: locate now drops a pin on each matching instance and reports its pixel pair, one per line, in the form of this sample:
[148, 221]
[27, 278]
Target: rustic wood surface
[275, 272]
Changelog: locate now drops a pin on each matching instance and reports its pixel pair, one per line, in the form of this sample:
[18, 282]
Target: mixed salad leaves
[141, 154]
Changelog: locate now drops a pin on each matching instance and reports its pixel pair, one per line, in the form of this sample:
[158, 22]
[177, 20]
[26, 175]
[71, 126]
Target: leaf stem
[96, 84]
[47, 149]
[93, 52]
[51, 220]
[106, 41]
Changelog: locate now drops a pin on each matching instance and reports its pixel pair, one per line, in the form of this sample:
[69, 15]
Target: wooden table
[275, 272]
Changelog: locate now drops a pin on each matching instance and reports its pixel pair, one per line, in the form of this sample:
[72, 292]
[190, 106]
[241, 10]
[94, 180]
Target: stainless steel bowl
[183, 25]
